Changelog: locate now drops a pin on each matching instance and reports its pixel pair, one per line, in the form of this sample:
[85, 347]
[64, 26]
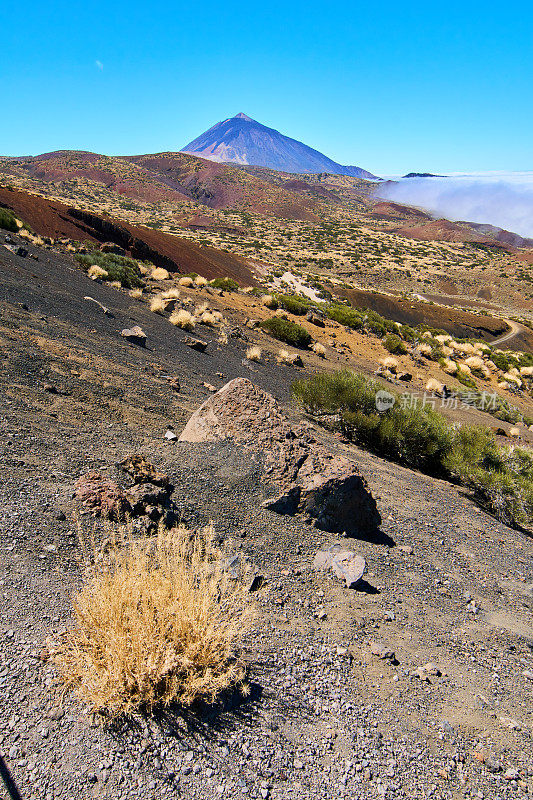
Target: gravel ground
[446, 584]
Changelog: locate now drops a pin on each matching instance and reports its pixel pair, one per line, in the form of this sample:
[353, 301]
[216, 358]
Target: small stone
[170, 436]
[509, 722]
[196, 344]
[527, 673]
[382, 651]
[511, 774]
[135, 335]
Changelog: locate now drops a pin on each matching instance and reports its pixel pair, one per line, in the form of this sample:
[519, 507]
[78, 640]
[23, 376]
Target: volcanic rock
[310, 480]
[102, 496]
[135, 335]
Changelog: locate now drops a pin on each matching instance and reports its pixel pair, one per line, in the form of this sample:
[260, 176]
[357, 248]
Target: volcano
[242, 140]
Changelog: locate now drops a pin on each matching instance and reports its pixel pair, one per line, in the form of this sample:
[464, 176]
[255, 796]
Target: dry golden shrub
[186, 281]
[171, 294]
[157, 304]
[157, 621]
[182, 319]
[254, 353]
[95, 272]
[200, 281]
[160, 274]
[136, 294]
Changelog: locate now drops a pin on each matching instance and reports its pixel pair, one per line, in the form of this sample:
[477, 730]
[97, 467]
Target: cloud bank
[501, 199]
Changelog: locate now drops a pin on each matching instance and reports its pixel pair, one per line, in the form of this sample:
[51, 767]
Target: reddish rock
[102, 496]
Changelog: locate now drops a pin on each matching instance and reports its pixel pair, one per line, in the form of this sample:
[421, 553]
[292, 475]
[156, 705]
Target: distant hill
[423, 175]
[242, 140]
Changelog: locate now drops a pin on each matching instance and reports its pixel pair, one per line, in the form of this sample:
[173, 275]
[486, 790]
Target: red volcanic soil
[440, 230]
[50, 218]
[222, 185]
[397, 211]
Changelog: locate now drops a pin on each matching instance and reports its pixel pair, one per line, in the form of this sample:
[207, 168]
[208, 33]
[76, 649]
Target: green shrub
[394, 345]
[418, 437]
[345, 315]
[465, 379]
[287, 332]
[294, 304]
[118, 268]
[501, 479]
[408, 333]
[377, 324]
[501, 361]
[7, 220]
[226, 284]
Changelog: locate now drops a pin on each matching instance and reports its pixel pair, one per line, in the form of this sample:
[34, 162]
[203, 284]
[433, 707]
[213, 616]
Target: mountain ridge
[244, 141]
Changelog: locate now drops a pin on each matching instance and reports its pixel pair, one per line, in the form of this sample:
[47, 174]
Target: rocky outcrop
[327, 489]
[103, 497]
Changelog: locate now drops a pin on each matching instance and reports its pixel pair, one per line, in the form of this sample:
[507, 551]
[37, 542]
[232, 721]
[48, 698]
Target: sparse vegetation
[225, 284]
[157, 621]
[502, 479]
[293, 304]
[8, 221]
[345, 315]
[394, 345]
[286, 331]
[118, 268]
[254, 353]
[183, 319]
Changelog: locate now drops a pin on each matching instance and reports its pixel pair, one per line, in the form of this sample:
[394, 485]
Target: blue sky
[389, 86]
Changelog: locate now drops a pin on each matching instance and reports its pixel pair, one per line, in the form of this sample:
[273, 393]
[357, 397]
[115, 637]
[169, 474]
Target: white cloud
[499, 198]
[99, 65]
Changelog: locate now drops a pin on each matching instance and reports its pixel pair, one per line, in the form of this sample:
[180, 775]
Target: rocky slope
[416, 684]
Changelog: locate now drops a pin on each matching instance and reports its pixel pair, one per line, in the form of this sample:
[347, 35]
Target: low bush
[157, 621]
[286, 331]
[226, 284]
[394, 344]
[420, 437]
[501, 361]
[8, 221]
[293, 304]
[417, 437]
[345, 315]
[118, 268]
[501, 478]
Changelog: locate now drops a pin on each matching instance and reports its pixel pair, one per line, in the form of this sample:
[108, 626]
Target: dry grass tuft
[254, 353]
[434, 387]
[157, 621]
[389, 363]
[171, 294]
[200, 281]
[157, 304]
[95, 272]
[186, 281]
[449, 366]
[160, 274]
[136, 294]
[285, 357]
[183, 319]
[269, 301]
